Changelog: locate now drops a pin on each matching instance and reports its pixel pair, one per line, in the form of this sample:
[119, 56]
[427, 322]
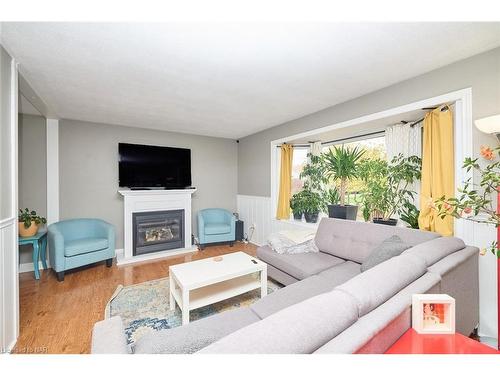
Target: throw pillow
[391, 247]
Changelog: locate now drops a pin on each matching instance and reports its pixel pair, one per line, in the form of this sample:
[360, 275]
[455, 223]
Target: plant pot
[391, 222]
[27, 232]
[311, 217]
[297, 215]
[347, 212]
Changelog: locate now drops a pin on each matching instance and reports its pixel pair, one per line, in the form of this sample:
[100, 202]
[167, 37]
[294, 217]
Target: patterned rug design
[145, 307]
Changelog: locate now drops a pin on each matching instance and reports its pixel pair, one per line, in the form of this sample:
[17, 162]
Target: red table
[413, 343]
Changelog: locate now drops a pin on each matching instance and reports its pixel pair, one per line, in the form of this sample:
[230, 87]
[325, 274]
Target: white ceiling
[226, 80]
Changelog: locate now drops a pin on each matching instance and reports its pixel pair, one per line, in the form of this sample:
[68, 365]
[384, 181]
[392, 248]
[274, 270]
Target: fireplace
[157, 231]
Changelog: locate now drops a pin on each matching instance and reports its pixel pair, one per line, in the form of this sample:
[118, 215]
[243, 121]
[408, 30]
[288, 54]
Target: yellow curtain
[283, 211]
[437, 170]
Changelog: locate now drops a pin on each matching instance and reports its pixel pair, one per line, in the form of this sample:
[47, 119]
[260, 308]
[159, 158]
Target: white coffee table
[203, 282]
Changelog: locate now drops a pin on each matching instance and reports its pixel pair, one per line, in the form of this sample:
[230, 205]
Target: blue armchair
[216, 225]
[78, 242]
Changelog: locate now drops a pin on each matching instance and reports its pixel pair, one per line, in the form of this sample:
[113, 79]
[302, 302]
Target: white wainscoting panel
[8, 284]
[256, 211]
[484, 235]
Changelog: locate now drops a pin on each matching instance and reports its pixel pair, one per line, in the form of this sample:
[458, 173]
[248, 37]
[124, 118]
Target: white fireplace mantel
[149, 201]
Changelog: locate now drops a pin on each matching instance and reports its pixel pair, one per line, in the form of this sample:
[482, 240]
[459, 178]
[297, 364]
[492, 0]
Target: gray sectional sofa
[328, 305]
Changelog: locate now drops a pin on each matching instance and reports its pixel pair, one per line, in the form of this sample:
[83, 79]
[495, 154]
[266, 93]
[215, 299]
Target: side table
[39, 243]
[413, 343]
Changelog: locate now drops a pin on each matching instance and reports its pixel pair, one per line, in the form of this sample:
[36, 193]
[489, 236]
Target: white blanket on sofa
[293, 241]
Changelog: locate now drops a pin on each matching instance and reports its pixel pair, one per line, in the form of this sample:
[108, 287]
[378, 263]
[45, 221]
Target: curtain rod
[340, 139]
[445, 108]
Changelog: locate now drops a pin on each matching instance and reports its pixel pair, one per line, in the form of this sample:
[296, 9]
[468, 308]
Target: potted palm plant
[29, 222]
[341, 165]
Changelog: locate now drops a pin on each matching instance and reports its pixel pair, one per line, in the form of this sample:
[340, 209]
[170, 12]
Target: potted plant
[313, 204]
[409, 214]
[331, 197]
[297, 205]
[341, 165]
[29, 222]
[387, 187]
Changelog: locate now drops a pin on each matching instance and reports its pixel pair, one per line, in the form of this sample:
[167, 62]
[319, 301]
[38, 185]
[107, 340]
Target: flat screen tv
[142, 166]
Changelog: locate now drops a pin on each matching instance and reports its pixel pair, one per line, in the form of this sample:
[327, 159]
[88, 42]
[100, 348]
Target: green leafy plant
[313, 174]
[475, 201]
[27, 217]
[340, 165]
[409, 214]
[387, 185]
[297, 203]
[331, 195]
[313, 201]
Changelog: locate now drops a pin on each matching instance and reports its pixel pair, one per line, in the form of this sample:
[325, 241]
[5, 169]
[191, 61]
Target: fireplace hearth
[157, 231]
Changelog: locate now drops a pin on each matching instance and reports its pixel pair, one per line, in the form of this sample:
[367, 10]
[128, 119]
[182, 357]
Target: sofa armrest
[108, 337]
[201, 228]
[56, 248]
[110, 234]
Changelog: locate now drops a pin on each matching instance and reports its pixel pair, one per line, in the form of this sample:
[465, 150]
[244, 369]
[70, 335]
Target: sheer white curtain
[403, 139]
[406, 140]
[316, 148]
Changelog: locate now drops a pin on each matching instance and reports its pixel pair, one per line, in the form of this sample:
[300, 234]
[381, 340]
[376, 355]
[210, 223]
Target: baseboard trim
[11, 346]
[28, 267]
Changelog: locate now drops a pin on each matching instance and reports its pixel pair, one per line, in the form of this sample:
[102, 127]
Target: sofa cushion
[217, 228]
[339, 274]
[391, 247]
[378, 284]
[437, 249]
[196, 335]
[376, 331]
[312, 286]
[354, 240]
[108, 337]
[299, 266]
[298, 329]
[84, 245]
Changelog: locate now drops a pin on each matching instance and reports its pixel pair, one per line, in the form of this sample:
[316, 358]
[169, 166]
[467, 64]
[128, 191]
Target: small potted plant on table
[29, 222]
[341, 165]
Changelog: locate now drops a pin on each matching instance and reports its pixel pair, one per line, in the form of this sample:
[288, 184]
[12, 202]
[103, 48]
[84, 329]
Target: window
[298, 162]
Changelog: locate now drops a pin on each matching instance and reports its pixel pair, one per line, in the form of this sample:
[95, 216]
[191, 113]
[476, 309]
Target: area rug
[145, 307]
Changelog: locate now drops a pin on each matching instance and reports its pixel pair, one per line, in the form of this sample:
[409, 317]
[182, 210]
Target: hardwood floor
[57, 317]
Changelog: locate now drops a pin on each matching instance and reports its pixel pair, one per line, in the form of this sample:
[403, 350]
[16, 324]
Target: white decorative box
[433, 313]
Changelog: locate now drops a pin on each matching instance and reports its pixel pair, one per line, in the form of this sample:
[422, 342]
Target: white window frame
[462, 142]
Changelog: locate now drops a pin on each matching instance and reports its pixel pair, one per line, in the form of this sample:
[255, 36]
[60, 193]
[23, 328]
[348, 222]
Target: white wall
[9, 284]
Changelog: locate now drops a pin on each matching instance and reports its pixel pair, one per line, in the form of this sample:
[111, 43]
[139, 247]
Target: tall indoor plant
[341, 165]
[388, 187]
[313, 195]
